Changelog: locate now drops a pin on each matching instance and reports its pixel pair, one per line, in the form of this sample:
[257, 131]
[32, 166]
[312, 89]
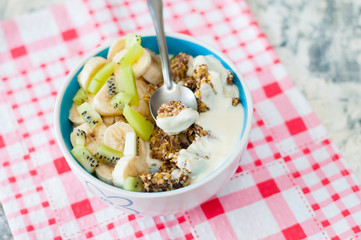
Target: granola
[159, 182]
[163, 146]
[179, 66]
[235, 101]
[169, 109]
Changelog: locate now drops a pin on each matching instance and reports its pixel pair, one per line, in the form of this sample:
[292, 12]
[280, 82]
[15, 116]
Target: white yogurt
[178, 123]
[153, 164]
[222, 120]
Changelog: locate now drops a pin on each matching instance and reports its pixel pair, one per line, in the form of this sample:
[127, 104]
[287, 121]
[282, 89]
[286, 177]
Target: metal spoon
[170, 90]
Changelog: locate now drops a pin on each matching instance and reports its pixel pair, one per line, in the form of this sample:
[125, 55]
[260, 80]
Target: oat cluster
[159, 182]
[151, 90]
[170, 109]
[179, 66]
[166, 147]
[163, 146]
[201, 75]
[194, 132]
[235, 101]
[168, 167]
[229, 79]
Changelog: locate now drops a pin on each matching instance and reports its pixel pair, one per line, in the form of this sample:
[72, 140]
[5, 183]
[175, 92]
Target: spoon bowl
[177, 93]
[170, 90]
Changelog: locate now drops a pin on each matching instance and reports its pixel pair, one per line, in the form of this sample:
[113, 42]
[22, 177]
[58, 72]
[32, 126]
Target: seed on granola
[229, 79]
[235, 101]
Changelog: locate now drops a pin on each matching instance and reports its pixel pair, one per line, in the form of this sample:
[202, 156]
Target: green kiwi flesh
[80, 137]
[80, 97]
[127, 79]
[142, 127]
[108, 155]
[131, 39]
[120, 100]
[112, 86]
[134, 184]
[132, 55]
[101, 77]
[89, 115]
[85, 158]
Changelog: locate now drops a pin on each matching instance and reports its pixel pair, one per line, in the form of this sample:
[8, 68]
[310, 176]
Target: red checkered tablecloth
[291, 183]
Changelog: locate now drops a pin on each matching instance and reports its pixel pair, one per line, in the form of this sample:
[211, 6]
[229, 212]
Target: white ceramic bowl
[160, 203]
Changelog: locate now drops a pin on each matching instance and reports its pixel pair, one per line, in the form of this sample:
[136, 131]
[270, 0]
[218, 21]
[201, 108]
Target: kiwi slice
[80, 137]
[91, 116]
[80, 97]
[132, 55]
[113, 87]
[134, 184]
[120, 100]
[85, 158]
[101, 77]
[131, 39]
[129, 86]
[142, 127]
[108, 155]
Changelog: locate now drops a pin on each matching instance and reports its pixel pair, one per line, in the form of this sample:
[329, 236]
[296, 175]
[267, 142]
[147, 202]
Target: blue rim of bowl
[240, 146]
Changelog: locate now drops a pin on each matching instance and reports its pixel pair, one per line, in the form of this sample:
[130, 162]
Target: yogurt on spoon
[174, 117]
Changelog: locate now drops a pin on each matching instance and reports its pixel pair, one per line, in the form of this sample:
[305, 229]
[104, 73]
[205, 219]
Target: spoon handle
[156, 11]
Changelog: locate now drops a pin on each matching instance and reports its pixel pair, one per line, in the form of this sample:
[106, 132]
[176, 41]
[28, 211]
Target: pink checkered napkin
[291, 183]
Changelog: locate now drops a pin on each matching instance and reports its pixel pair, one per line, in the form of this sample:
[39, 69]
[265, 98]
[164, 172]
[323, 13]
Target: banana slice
[144, 153]
[143, 106]
[120, 119]
[102, 105]
[142, 65]
[91, 67]
[74, 115]
[143, 149]
[116, 47]
[114, 135]
[90, 99]
[119, 55]
[128, 166]
[93, 136]
[130, 146]
[104, 172]
[139, 67]
[154, 73]
[108, 120]
[142, 87]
